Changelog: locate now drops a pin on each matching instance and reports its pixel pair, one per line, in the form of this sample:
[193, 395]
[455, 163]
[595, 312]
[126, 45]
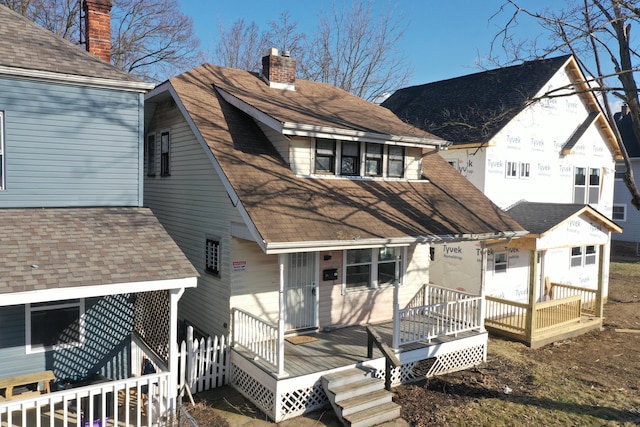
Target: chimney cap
[286, 53]
[272, 51]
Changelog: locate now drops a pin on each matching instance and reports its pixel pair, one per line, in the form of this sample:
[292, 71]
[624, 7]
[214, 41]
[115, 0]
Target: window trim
[588, 256]
[357, 158]
[150, 154]
[54, 305]
[524, 170]
[377, 157]
[511, 169]
[587, 187]
[374, 270]
[214, 269]
[393, 158]
[391, 155]
[165, 156]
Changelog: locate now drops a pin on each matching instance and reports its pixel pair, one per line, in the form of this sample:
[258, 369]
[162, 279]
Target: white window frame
[511, 169]
[54, 305]
[212, 256]
[2, 156]
[500, 266]
[325, 153]
[373, 272]
[582, 256]
[150, 154]
[165, 153]
[624, 212]
[591, 191]
[385, 159]
[524, 170]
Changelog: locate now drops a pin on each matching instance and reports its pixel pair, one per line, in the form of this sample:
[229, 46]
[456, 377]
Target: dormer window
[396, 162]
[325, 156]
[373, 160]
[358, 159]
[350, 159]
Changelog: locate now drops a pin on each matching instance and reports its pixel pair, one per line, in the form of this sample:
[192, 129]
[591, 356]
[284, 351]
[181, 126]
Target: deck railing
[138, 402]
[446, 312]
[259, 337]
[510, 316]
[560, 290]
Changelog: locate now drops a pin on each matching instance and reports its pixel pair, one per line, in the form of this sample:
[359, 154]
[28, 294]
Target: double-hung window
[583, 256]
[619, 213]
[212, 257]
[151, 154]
[512, 169]
[325, 156]
[524, 169]
[54, 325]
[372, 268]
[1, 150]
[500, 262]
[373, 159]
[586, 190]
[395, 168]
[350, 159]
[165, 153]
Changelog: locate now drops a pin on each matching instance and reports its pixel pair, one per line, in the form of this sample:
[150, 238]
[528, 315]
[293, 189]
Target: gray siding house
[89, 279]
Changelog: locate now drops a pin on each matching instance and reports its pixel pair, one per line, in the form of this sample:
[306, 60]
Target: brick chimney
[279, 71]
[97, 15]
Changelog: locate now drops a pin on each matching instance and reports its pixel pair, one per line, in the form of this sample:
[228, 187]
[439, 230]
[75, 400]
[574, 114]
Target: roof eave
[289, 247]
[133, 86]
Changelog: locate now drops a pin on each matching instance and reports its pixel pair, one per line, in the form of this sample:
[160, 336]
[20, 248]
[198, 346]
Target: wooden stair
[358, 399]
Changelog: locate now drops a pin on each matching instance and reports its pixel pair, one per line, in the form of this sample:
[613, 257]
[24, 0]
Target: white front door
[300, 291]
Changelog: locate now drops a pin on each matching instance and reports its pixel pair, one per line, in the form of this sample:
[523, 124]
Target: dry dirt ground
[591, 380]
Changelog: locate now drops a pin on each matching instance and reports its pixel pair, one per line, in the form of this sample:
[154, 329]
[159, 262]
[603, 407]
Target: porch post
[483, 271]
[599, 308]
[174, 297]
[281, 315]
[533, 292]
[396, 308]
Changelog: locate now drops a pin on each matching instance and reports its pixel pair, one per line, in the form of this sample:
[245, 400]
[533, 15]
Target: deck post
[281, 372]
[599, 308]
[483, 300]
[396, 308]
[174, 297]
[529, 328]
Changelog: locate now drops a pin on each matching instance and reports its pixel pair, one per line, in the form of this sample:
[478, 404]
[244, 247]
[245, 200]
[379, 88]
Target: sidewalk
[229, 404]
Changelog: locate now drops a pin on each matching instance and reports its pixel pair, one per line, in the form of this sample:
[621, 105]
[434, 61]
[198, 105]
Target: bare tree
[241, 46]
[152, 39]
[358, 50]
[597, 33]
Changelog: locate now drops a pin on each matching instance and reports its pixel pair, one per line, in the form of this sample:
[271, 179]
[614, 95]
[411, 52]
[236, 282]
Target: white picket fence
[204, 363]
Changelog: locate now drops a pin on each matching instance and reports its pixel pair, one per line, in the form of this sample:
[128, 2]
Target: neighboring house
[89, 279]
[308, 210]
[521, 148]
[625, 214]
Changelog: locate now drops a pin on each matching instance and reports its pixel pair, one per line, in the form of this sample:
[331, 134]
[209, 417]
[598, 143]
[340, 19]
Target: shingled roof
[285, 208]
[80, 247]
[25, 46]
[473, 108]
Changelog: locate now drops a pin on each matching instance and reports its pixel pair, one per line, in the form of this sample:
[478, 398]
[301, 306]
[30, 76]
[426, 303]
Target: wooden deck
[339, 348]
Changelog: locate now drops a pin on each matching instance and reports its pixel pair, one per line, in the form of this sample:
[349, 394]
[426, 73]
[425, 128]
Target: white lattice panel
[151, 320]
[457, 360]
[297, 402]
[257, 393]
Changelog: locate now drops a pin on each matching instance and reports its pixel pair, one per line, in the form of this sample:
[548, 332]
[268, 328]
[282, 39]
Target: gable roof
[28, 50]
[625, 126]
[290, 212]
[86, 250]
[473, 108]
[540, 218]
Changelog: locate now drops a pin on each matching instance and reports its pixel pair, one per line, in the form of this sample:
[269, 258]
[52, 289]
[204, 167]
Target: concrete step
[356, 388]
[374, 416]
[364, 402]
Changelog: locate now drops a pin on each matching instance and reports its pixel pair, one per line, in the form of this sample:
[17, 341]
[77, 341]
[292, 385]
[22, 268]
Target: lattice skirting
[259, 394]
